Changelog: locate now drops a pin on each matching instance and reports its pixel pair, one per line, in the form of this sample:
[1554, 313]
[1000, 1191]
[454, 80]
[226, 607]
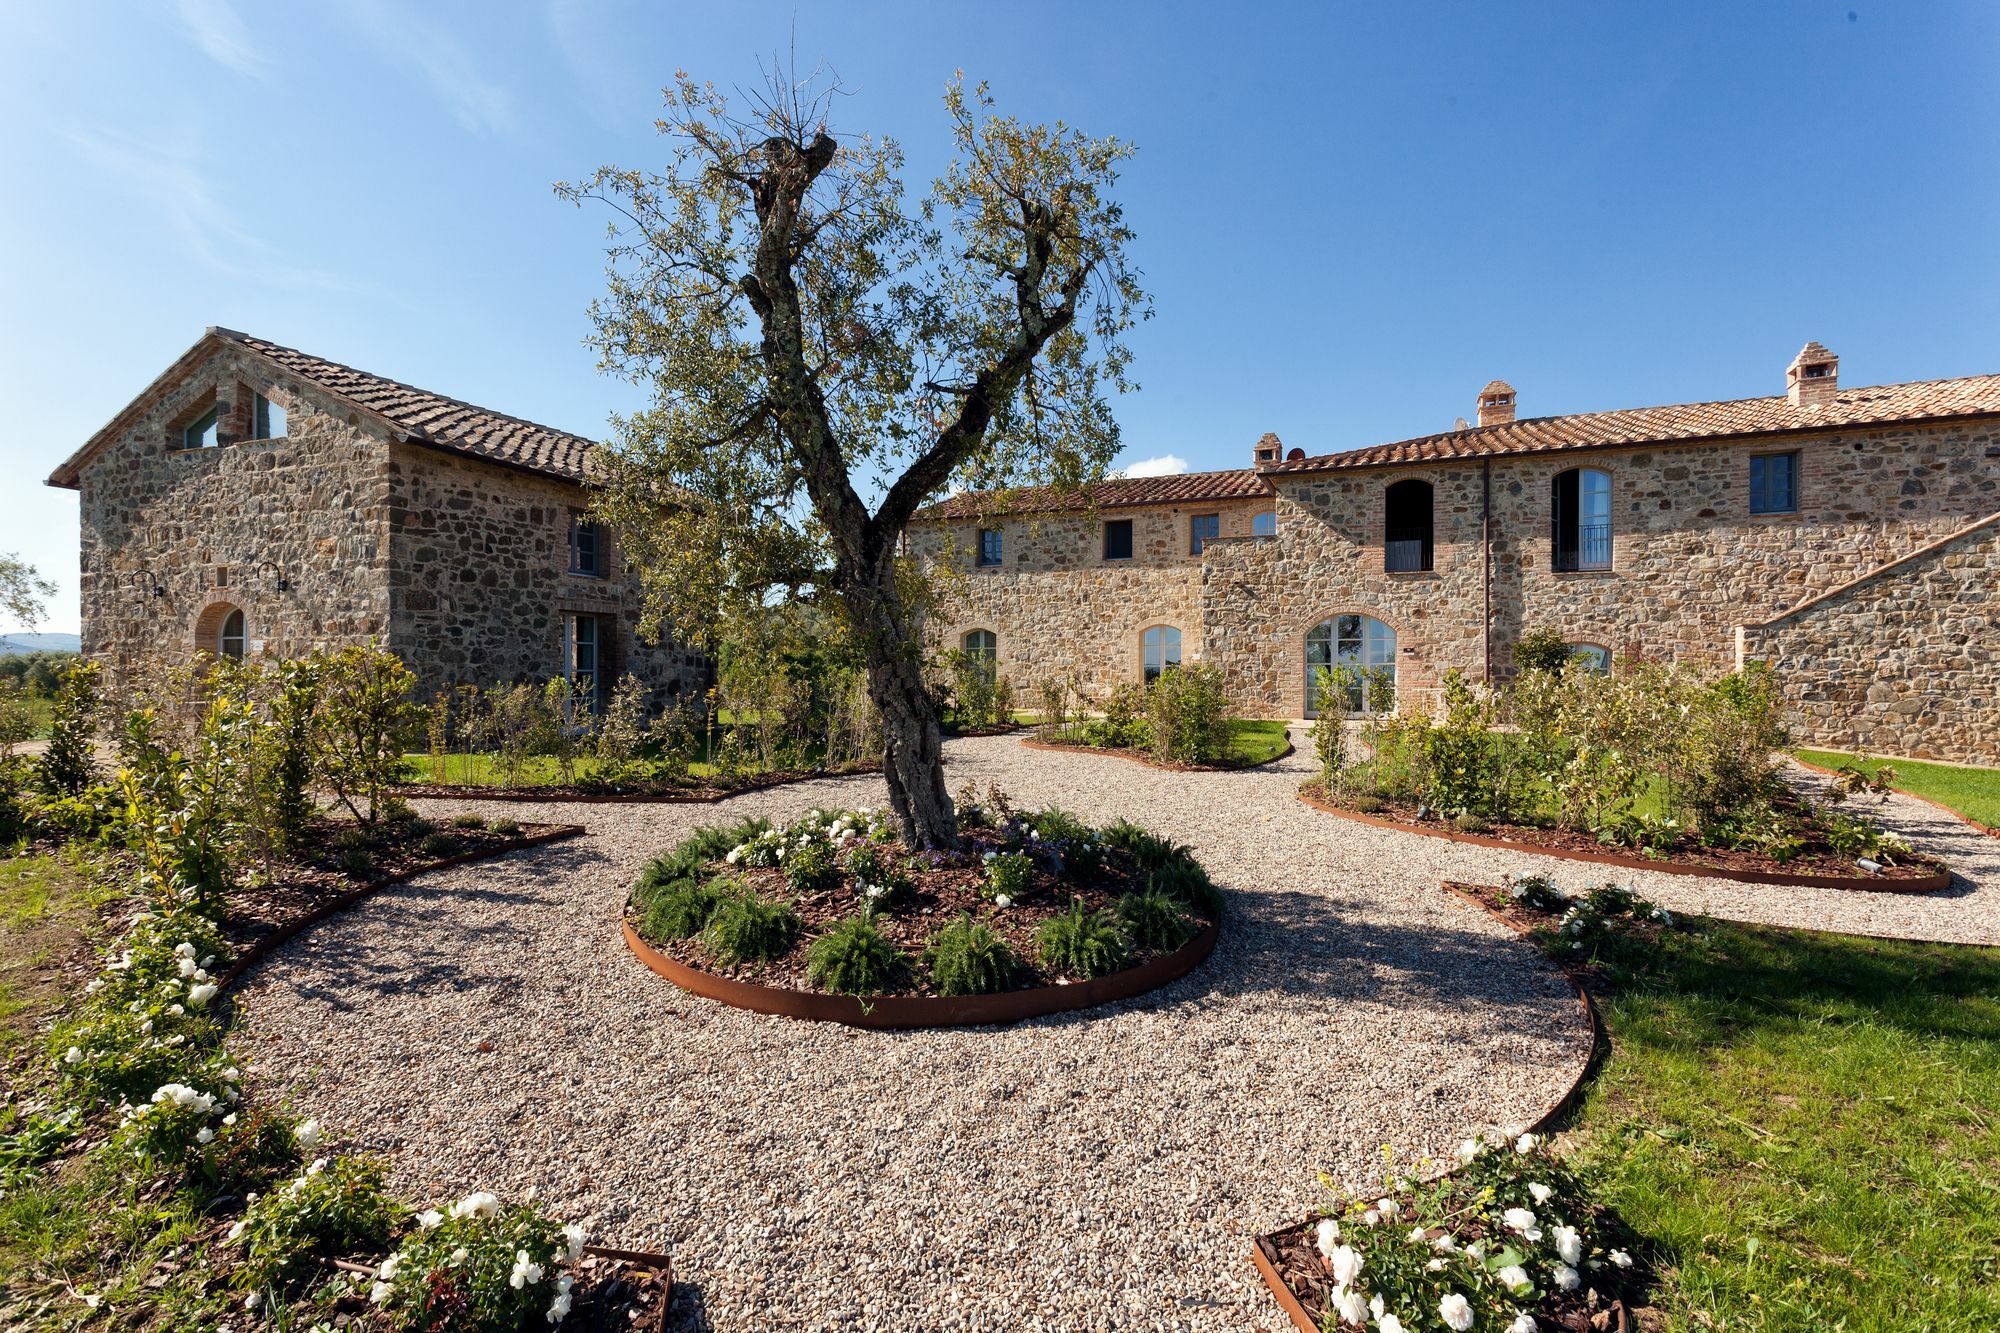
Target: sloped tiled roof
[419, 415]
[1113, 493]
[1878, 405]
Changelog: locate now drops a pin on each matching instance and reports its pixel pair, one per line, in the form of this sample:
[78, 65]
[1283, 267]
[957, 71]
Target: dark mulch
[691, 792]
[939, 896]
[294, 890]
[1816, 859]
[1304, 1270]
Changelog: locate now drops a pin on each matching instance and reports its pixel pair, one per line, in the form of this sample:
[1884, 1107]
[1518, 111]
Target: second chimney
[1269, 449]
[1496, 403]
[1813, 378]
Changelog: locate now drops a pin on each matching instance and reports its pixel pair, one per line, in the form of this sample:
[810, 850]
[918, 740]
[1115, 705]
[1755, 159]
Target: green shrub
[438, 844]
[1009, 875]
[745, 928]
[1183, 880]
[1121, 727]
[811, 869]
[333, 1211]
[506, 828]
[681, 908]
[880, 883]
[1152, 919]
[854, 958]
[1541, 650]
[1187, 715]
[968, 957]
[1081, 943]
[718, 840]
[69, 764]
[468, 822]
[357, 862]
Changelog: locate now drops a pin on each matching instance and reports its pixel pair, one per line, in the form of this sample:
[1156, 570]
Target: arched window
[230, 639]
[1264, 523]
[1406, 527]
[1358, 642]
[984, 646]
[1162, 645]
[1592, 657]
[1580, 519]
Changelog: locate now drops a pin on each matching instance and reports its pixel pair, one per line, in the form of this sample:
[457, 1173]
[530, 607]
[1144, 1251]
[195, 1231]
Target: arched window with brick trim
[1359, 643]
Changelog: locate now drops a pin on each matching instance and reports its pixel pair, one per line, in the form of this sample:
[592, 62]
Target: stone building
[1849, 537]
[258, 501]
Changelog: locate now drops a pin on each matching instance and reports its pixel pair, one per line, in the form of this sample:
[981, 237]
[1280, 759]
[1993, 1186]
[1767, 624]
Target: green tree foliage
[823, 355]
[22, 591]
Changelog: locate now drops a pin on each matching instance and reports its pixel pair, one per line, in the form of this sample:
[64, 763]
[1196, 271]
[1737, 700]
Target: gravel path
[1084, 1171]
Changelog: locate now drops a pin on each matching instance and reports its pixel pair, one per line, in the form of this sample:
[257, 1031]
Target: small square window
[201, 432]
[1118, 539]
[586, 548]
[1203, 529]
[1774, 483]
[267, 419]
[991, 549]
[1264, 524]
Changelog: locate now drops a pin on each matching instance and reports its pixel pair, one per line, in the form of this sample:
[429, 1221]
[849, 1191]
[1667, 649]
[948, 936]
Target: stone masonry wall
[1903, 663]
[1057, 608]
[480, 581]
[1689, 561]
[174, 538]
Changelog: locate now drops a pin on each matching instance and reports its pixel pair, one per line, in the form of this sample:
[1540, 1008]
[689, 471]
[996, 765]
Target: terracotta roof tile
[1687, 423]
[1113, 493]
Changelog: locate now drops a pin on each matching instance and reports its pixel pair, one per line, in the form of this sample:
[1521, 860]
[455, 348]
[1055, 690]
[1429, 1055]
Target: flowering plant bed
[690, 791]
[608, 1289]
[835, 911]
[1508, 1241]
[1812, 863]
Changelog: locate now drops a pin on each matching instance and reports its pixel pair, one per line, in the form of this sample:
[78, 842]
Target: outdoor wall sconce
[280, 582]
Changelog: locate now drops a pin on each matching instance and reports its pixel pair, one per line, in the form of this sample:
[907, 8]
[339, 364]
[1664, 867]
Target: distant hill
[24, 642]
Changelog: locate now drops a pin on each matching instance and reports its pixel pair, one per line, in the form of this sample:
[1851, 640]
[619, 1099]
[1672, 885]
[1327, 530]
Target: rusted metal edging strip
[1914, 884]
[1133, 756]
[927, 1011]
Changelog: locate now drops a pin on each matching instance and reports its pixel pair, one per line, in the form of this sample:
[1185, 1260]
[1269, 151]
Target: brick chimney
[1496, 403]
[1813, 378]
[1269, 449]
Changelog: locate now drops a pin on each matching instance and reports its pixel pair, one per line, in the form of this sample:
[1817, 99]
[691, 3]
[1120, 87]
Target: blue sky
[1350, 216]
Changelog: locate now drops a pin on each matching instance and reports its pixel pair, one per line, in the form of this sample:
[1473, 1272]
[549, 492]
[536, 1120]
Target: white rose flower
[387, 1272]
[72, 1055]
[574, 1235]
[1417, 1236]
[1388, 1323]
[1621, 1259]
[1569, 1244]
[1540, 1191]
[1526, 1143]
[559, 1308]
[1353, 1308]
[1519, 1219]
[380, 1292]
[202, 994]
[1514, 1278]
[253, 1300]
[1568, 1278]
[1456, 1312]
[1389, 1209]
[1326, 1235]
[1372, 1218]
[481, 1204]
[430, 1219]
[236, 1231]
[1345, 1263]
[1524, 1323]
[1468, 1150]
[458, 1256]
[204, 1135]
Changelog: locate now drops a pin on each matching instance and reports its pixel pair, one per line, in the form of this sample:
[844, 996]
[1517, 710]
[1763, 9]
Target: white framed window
[586, 547]
[232, 637]
[1160, 648]
[992, 548]
[1355, 641]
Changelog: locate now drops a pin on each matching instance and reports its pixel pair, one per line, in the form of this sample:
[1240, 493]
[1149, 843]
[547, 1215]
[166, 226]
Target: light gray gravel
[1086, 1171]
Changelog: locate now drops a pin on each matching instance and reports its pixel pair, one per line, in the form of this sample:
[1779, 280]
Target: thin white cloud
[475, 101]
[1166, 465]
[169, 182]
[218, 30]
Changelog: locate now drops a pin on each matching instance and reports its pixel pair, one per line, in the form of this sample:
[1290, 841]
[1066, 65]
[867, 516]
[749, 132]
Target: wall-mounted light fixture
[280, 582]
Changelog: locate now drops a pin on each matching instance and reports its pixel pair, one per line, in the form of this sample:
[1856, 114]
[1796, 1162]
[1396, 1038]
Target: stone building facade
[258, 501]
[1657, 533]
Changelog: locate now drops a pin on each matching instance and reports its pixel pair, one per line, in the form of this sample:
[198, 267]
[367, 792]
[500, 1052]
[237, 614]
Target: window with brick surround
[1406, 527]
[201, 432]
[1356, 643]
[1592, 657]
[586, 547]
[1774, 483]
[583, 652]
[1580, 520]
[232, 637]
[1118, 539]
[267, 419]
[1264, 523]
[1203, 529]
[992, 548]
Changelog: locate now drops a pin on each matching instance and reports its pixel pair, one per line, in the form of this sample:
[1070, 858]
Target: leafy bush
[438, 844]
[1009, 877]
[364, 713]
[506, 828]
[811, 869]
[1187, 715]
[357, 862]
[879, 882]
[467, 822]
[1076, 845]
[1081, 943]
[1152, 919]
[1537, 893]
[69, 764]
[479, 1266]
[1329, 728]
[968, 957]
[853, 958]
[331, 1210]
[746, 928]
[1542, 649]
[1121, 727]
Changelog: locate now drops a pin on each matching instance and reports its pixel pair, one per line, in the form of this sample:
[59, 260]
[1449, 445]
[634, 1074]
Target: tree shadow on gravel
[689, 1311]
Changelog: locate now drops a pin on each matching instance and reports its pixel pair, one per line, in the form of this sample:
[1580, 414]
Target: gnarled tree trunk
[912, 747]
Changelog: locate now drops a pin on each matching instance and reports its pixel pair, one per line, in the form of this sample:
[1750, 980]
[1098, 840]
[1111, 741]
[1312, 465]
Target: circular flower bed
[834, 912]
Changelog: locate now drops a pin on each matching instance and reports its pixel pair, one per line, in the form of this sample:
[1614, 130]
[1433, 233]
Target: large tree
[22, 590]
[822, 355]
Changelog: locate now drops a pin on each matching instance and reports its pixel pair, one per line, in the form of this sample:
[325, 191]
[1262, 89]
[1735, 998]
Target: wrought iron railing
[1406, 555]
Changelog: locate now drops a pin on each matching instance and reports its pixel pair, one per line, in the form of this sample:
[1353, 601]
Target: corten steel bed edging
[928, 1011]
[1911, 884]
[285, 934]
[1134, 757]
[1989, 830]
[446, 791]
[1264, 1254]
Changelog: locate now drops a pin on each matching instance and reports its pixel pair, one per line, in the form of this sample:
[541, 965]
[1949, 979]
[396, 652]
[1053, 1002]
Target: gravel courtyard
[486, 1028]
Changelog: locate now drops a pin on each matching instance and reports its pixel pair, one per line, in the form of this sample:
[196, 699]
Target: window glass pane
[990, 548]
[1265, 524]
[583, 547]
[1774, 483]
[1592, 658]
[232, 639]
[1162, 649]
[1118, 539]
[1355, 641]
[200, 433]
[1202, 529]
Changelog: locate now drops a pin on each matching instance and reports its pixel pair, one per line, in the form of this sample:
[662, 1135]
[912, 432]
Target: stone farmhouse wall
[1689, 561]
[1904, 661]
[174, 538]
[1057, 608]
[480, 581]
[335, 536]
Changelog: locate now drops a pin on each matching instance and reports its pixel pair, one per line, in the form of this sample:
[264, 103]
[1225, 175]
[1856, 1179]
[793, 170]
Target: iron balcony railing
[1592, 549]
[1406, 555]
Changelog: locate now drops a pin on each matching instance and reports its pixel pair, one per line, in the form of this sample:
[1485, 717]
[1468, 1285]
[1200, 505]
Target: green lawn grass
[481, 769]
[1255, 740]
[1972, 792]
[46, 905]
[1807, 1128]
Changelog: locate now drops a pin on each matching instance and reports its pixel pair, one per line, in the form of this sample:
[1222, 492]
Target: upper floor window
[1264, 524]
[1118, 539]
[1203, 529]
[1406, 530]
[1774, 483]
[1162, 649]
[991, 547]
[586, 547]
[267, 419]
[1580, 520]
[201, 432]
